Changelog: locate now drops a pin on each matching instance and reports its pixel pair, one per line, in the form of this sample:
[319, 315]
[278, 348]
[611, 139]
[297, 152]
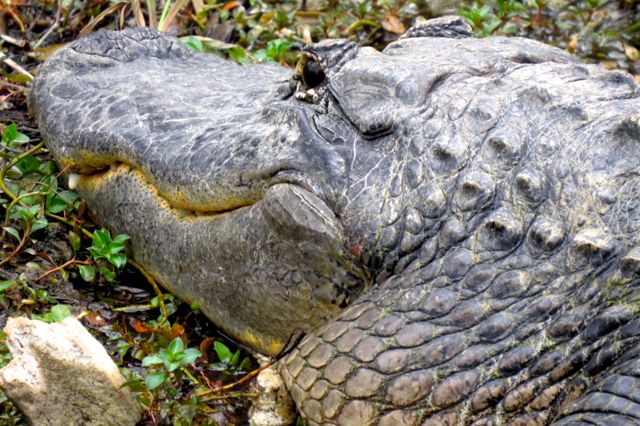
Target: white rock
[60, 375]
[273, 406]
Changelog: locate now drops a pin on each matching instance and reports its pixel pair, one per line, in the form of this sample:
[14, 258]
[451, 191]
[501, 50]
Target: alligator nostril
[312, 74]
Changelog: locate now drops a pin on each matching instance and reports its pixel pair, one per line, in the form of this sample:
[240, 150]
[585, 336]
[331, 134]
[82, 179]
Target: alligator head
[453, 220]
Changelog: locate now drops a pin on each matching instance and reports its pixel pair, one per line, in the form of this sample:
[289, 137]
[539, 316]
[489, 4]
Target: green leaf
[235, 359]
[175, 346]
[154, 380]
[87, 272]
[9, 133]
[48, 168]
[193, 43]
[223, 352]
[190, 355]
[28, 213]
[134, 385]
[239, 55]
[104, 247]
[119, 240]
[39, 223]
[108, 274]
[74, 240]
[118, 260]
[245, 364]
[7, 285]
[152, 360]
[60, 312]
[172, 365]
[28, 165]
[12, 137]
[13, 232]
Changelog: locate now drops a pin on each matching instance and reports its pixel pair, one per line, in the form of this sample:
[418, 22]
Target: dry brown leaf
[230, 5]
[95, 319]
[198, 5]
[610, 65]
[631, 52]
[393, 24]
[140, 326]
[176, 330]
[573, 43]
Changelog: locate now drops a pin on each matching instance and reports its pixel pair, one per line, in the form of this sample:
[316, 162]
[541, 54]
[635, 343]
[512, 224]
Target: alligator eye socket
[312, 74]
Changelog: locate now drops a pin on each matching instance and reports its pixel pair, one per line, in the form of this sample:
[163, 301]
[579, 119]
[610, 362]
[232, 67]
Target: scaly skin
[472, 203]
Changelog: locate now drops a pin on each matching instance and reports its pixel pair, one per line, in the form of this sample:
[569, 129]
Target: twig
[153, 14]
[71, 261]
[47, 33]
[12, 163]
[14, 41]
[231, 395]
[108, 11]
[242, 380]
[190, 376]
[15, 66]
[20, 246]
[137, 13]
[14, 86]
[167, 18]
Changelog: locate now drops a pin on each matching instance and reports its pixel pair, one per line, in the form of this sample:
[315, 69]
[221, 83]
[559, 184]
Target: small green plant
[278, 50]
[57, 314]
[228, 359]
[12, 138]
[107, 253]
[172, 358]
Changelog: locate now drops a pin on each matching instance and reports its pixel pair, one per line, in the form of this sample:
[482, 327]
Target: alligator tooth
[73, 180]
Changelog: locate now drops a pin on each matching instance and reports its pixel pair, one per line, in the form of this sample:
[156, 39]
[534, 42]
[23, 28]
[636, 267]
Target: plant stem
[12, 163]
[152, 281]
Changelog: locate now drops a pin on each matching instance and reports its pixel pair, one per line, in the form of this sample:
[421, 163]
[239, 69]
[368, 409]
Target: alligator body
[453, 221]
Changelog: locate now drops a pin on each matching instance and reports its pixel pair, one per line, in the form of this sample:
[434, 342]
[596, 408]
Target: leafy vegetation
[51, 254]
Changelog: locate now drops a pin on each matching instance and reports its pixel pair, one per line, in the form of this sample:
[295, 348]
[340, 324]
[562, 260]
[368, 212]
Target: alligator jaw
[291, 244]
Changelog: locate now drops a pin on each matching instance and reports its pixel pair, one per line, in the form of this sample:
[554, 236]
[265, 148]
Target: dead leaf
[198, 5]
[95, 319]
[204, 347]
[610, 65]
[573, 43]
[176, 330]
[393, 24]
[631, 52]
[140, 326]
[230, 5]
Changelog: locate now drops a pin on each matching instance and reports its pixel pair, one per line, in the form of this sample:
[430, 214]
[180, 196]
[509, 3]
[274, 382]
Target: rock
[60, 375]
[273, 406]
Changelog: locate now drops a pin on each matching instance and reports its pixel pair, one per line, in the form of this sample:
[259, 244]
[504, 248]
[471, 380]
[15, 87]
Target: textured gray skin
[473, 204]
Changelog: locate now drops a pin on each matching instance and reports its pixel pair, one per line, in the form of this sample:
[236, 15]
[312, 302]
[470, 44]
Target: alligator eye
[312, 74]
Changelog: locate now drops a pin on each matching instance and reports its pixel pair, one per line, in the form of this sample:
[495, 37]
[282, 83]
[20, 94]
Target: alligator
[452, 221]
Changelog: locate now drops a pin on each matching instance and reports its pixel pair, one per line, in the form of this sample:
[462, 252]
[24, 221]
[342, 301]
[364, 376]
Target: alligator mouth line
[281, 176]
